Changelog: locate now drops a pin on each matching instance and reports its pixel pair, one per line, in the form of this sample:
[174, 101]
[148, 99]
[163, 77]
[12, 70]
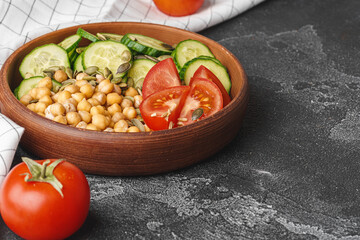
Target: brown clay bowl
[126, 153]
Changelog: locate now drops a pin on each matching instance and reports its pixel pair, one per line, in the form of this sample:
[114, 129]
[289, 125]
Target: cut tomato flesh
[204, 72]
[161, 109]
[161, 76]
[204, 97]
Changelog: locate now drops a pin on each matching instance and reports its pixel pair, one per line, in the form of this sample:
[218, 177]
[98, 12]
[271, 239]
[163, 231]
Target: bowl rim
[113, 135]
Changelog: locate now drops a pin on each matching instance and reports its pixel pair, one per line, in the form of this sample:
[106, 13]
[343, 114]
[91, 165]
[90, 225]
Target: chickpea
[97, 110]
[133, 129]
[112, 98]
[80, 83]
[69, 107]
[91, 127]
[93, 102]
[71, 100]
[73, 118]
[118, 116]
[38, 92]
[84, 105]
[100, 121]
[101, 97]
[99, 78]
[106, 86]
[78, 96]
[80, 76]
[72, 89]
[137, 100]
[126, 103]
[31, 106]
[108, 118]
[147, 129]
[60, 76]
[57, 109]
[33, 92]
[114, 108]
[111, 124]
[45, 82]
[63, 96]
[82, 125]
[40, 107]
[55, 97]
[60, 119]
[43, 91]
[46, 99]
[117, 89]
[109, 129]
[87, 90]
[121, 126]
[48, 113]
[25, 99]
[107, 113]
[85, 116]
[131, 92]
[130, 112]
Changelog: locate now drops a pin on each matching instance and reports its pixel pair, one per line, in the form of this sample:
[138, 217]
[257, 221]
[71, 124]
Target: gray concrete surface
[293, 170]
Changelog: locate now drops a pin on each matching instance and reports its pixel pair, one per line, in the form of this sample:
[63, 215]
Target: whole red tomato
[43, 210]
[178, 8]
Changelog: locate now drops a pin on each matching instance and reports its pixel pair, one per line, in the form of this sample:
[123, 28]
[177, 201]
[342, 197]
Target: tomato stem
[43, 169]
[43, 173]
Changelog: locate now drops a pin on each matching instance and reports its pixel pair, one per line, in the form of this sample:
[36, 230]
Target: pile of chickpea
[104, 107]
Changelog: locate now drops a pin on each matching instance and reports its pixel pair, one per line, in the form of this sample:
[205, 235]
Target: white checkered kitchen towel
[10, 135]
[24, 20]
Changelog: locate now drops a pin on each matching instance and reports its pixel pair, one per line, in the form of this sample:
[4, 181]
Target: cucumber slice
[73, 59]
[73, 56]
[71, 53]
[16, 91]
[139, 70]
[81, 32]
[211, 58]
[112, 36]
[146, 45]
[27, 84]
[189, 49]
[105, 54]
[70, 43]
[78, 63]
[212, 64]
[42, 58]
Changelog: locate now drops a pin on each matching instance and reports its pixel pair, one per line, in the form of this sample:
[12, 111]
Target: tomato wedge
[161, 109]
[161, 76]
[203, 100]
[204, 72]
